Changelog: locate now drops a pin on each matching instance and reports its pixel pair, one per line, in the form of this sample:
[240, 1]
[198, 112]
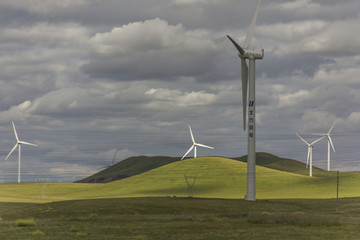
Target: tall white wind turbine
[309, 153]
[18, 144]
[194, 145]
[330, 143]
[248, 75]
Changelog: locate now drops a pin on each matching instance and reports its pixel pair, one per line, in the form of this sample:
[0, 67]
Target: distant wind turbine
[248, 76]
[114, 157]
[18, 144]
[309, 154]
[112, 163]
[330, 142]
[194, 145]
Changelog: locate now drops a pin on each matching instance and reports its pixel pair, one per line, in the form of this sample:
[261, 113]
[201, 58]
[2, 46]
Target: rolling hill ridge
[210, 177]
[141, 164]
[128, 167]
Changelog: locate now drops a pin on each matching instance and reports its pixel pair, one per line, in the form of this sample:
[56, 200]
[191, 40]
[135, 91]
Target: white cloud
[353, 120]
[44, 7]
[292, 99]
[46, 35]
[50, 6]
[298, 5]
[151, 49]
[59, 101]
[337, 38]
[161, 98]
[20, 112]
[329, 39]
[149, 35]
[291, 31]
[186, 2]
[334, 74]
[313, 120]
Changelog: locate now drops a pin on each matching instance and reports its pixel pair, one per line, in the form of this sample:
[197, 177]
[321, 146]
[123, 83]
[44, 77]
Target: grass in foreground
[183, 218]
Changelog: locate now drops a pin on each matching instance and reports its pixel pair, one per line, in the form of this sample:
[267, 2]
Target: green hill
[129, 167]
[226, 178]
[216, 177]
[140, 164]
[283, 164]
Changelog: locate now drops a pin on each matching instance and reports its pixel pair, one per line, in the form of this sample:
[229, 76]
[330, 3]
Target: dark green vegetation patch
[129, 167]
[282, 164]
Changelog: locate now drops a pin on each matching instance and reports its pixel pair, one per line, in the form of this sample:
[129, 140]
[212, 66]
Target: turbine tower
[248, 75]
[330, 143]
[194, 145]
[18, 144]
[309, 154]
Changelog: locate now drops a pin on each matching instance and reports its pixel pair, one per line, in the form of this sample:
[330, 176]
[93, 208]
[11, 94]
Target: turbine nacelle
[252, 54]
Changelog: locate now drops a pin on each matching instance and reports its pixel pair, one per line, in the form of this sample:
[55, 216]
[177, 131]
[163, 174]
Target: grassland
[155, 205]
[182, 218]
[216, 178]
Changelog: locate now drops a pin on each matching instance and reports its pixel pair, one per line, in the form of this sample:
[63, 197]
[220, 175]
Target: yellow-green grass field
[215, 178]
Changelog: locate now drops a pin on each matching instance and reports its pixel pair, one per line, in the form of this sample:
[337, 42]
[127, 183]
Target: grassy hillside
[283, 164]
[215, 178]
[223, 178]
[129, 167]
[140, 164]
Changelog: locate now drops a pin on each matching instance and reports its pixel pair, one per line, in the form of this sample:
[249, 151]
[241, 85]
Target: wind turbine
[18, 144]
[194, 145]
[309, 154]
[114, 157]
[248, 75]
[330, 142]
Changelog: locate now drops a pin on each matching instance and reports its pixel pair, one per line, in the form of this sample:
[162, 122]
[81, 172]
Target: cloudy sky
[82, 78]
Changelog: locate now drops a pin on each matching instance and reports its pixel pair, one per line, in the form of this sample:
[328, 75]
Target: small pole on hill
[337, 192]
[190, 184]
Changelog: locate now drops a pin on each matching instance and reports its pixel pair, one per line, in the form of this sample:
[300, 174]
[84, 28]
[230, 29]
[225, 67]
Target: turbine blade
[331, 143]
[202, 145]
[27, 143]
[191, 148]
[316, 140]
[16, 136]
[332, 128]
[192, 136]
[250, 33]
[302, 139]
[245, 78]
[241, 51]
[13, 149]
